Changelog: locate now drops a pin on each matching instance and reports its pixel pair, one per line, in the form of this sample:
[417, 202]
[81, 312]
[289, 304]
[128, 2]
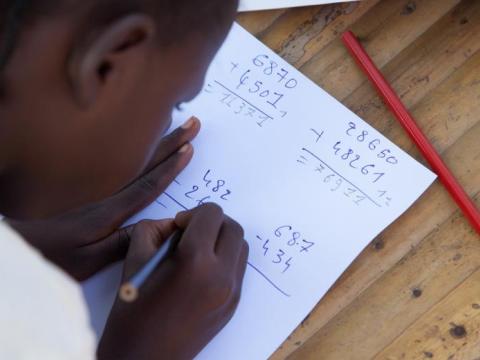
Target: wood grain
[412, 291]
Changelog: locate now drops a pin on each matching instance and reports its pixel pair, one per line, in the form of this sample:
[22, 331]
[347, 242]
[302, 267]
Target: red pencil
[408, 122]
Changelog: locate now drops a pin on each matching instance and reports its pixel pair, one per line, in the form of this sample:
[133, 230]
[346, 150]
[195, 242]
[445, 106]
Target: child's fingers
[174, 141]
[144, 190]
[201, 229]
[98, 255]
[137, 242]
[99, 220]
[183, 218]
[172, 156]
[240, 273]
[146, 239]
[242, 262]
[230, 242]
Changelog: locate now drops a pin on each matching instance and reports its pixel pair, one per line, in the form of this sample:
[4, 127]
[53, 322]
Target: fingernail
[189, 124]
[185, 148]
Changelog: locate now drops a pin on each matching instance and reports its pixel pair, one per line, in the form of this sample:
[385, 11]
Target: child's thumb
[146, 238]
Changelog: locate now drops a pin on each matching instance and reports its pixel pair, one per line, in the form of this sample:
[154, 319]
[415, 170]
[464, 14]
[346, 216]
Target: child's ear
[92, 66]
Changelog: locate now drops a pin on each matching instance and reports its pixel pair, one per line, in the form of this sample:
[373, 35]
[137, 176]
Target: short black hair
[9, 21]
[176, 18]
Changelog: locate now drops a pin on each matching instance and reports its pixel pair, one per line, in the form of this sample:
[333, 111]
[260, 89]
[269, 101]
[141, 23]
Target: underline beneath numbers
[176, 202]
[268, 280]
[344, 178]
[253, 106]
[161, 204]
[258, 271]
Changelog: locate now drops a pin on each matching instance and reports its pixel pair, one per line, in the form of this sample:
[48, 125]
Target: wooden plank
[461, 93]
[422, 68]
[259, 21]
[392, 304]
[302, 33]
[332, 66]
[450, 330]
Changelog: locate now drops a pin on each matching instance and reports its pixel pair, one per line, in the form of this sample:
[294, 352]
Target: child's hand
[86, 240]
[189, 298]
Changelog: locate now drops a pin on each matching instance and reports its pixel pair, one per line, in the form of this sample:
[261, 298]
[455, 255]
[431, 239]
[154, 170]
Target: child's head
[87, 88]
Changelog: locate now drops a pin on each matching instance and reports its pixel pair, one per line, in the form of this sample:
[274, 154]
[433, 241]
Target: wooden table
[414, 293]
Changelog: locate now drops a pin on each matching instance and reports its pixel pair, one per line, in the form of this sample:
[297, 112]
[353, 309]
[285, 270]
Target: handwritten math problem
[333, 179]
[262, 80]
[263, 67]
[283, 245]
[237, 105]
[310, 182]
[208, 188]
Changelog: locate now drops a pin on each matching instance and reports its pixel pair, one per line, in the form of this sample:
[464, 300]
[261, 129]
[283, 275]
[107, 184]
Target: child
[86, 92]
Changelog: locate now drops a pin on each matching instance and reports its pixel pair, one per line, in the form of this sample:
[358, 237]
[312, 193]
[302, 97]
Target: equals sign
[302, 160]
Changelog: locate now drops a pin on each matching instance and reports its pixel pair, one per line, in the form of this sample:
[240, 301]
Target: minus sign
[161, 204]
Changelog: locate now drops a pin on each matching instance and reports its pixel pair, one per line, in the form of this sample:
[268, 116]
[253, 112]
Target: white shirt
[42, 311]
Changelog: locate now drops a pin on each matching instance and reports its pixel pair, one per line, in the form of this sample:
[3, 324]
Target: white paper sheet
[253, 5]
[311, 183]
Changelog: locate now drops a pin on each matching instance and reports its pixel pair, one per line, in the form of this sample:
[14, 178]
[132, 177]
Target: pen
[129, 290]
[407, 121]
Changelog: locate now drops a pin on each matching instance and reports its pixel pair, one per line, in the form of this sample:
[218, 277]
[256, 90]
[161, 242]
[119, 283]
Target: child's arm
[189, 298]
[86, 240]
